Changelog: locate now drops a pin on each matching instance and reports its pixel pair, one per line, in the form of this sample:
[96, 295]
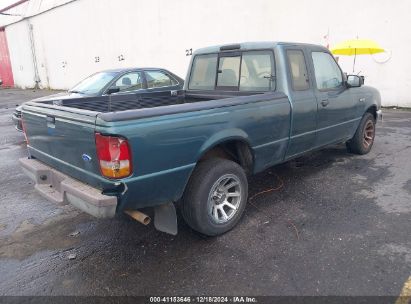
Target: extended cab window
[257, 71]
[203, 72]
[327, 73]
[299, 74]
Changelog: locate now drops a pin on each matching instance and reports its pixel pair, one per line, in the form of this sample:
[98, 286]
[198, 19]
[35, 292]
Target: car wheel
[215, 197]
[363, 139]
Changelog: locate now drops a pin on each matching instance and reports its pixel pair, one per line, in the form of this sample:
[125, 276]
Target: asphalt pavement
[329, 223]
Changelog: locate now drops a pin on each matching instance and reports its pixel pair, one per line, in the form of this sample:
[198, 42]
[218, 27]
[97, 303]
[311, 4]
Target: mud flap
[165, 218]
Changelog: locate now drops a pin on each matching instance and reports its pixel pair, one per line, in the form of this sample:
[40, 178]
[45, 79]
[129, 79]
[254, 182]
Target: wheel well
[235, 150]
[373, 111]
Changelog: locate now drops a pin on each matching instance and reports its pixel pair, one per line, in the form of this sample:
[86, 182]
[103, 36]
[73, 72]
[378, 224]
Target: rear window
[228, 72]
[238, 71]
[158, 79]
[203, 72]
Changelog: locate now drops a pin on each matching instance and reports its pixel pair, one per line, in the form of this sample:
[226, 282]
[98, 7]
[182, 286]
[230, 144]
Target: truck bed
[105, 104]
[118, 103]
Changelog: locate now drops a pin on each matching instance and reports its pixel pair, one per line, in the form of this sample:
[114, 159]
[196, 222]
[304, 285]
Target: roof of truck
[252, 46]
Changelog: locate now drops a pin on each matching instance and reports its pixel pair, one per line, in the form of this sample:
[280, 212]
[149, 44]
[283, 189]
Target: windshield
[94, 84]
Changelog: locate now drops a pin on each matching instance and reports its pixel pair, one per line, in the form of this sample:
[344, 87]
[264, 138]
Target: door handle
[325, 102]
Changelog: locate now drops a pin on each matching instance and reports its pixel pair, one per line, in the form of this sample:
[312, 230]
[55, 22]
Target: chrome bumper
[17, 123]
[60, 188]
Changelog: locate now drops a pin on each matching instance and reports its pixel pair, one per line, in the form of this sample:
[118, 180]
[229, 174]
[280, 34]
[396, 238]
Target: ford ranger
[246, 107]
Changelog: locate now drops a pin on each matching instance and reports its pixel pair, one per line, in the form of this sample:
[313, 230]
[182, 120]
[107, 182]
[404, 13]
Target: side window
[299, 75]
[257, 71]
[158, 79]
[129, 82]
[229, 72]
[327, 73]
[203, 72]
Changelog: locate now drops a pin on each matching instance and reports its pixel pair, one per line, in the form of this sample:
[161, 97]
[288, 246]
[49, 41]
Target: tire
[363, 139]
[208, 191]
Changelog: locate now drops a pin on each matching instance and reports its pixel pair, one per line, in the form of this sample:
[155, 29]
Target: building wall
[68, 39]
[20, 54]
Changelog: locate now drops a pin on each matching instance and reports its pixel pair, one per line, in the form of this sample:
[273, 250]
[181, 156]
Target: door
[6, 74]
[162, 89]
[304, 126]
[337, 113]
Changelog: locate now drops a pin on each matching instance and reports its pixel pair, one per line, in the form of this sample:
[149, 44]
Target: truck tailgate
[64, 139]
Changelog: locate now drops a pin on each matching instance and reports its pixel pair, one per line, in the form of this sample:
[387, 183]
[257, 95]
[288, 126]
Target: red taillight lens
[114, 156]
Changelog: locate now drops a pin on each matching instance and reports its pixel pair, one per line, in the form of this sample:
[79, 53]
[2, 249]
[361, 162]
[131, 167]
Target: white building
[59, 42]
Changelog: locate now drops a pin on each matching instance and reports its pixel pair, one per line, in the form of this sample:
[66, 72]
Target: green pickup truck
[246, 107]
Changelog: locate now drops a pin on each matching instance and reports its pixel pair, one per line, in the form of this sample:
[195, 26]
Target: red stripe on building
[6, 74]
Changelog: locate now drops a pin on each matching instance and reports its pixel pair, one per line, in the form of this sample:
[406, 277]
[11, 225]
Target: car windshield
[94, 84]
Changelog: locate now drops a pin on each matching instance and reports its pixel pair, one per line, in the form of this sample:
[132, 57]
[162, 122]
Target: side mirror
[355, 81]
[363, 79]
[1, 82]
[112, 90]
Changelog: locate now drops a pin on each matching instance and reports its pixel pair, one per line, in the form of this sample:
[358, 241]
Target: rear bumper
[17, 122]
[60, 188]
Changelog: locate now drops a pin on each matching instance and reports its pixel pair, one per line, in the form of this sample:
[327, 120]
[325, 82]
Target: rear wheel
[363, 139]
[215, 196]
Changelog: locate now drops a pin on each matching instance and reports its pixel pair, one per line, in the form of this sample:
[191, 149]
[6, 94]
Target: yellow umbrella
[357, 47]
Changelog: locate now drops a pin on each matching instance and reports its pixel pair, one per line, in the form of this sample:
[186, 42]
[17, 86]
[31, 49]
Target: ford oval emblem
[86, 157]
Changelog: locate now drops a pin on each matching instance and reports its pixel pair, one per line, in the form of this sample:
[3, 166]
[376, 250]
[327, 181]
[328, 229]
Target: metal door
[337, 111]
[301, 94]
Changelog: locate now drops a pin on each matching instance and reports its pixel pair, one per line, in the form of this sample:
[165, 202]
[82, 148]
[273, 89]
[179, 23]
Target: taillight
[114, 156]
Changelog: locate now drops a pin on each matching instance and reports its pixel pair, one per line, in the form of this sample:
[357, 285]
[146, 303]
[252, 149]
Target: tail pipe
[139, 216]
